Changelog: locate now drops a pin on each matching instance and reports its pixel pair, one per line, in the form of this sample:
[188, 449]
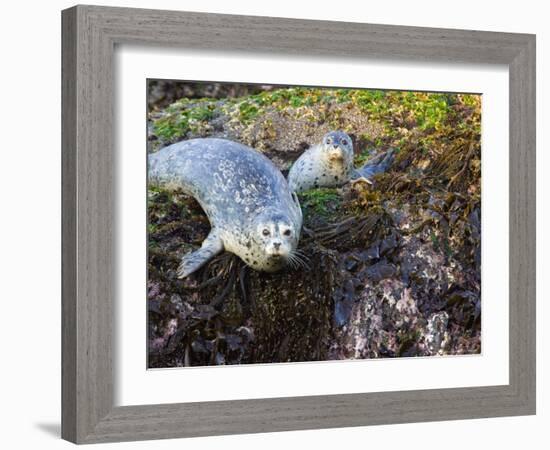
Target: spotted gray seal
[252, 212]
[328, 164]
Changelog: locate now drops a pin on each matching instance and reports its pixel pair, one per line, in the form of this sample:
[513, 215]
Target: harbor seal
[328, 164]
[251, 210]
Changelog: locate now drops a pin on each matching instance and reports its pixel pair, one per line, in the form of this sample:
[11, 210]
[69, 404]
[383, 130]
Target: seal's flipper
[360, 179]
[372, 167]
[357, 176]
[381, 163]
[193, 261]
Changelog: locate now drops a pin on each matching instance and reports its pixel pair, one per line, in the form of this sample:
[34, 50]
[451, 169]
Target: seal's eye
[329, 140]
[287, 232]
[345, 142]
[265, 232]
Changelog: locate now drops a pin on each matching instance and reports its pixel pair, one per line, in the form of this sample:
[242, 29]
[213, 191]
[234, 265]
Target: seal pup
[328, 164]
[251, 210]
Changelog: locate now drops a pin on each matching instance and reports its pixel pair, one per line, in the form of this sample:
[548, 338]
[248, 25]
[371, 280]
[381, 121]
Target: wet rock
[437, 336]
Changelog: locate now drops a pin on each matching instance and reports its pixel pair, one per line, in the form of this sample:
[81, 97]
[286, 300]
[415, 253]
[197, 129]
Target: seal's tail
[376, 165]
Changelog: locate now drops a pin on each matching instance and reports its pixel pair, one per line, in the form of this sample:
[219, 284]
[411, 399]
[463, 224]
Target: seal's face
[338, 147]
[275, 239]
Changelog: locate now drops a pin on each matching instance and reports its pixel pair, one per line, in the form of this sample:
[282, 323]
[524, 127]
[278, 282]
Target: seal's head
[338, 147]
[274, 241]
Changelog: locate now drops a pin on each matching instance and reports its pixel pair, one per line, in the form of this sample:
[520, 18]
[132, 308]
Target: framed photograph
[268, 230]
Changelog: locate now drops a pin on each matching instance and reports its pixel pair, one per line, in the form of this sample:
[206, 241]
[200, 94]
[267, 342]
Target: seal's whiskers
[299, 260]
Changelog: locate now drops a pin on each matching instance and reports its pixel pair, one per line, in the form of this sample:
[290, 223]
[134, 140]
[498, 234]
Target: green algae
[319, 201]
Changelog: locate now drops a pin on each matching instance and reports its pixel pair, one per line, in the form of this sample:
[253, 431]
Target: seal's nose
[335, 145]
[276, 245]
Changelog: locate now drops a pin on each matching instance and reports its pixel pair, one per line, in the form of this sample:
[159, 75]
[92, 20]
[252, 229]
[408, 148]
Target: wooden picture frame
[90, 34]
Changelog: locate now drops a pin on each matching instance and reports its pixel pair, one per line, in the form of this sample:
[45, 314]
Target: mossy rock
[391, 270]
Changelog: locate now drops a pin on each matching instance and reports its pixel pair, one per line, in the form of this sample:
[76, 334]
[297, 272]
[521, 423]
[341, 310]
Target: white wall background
[31, 208]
